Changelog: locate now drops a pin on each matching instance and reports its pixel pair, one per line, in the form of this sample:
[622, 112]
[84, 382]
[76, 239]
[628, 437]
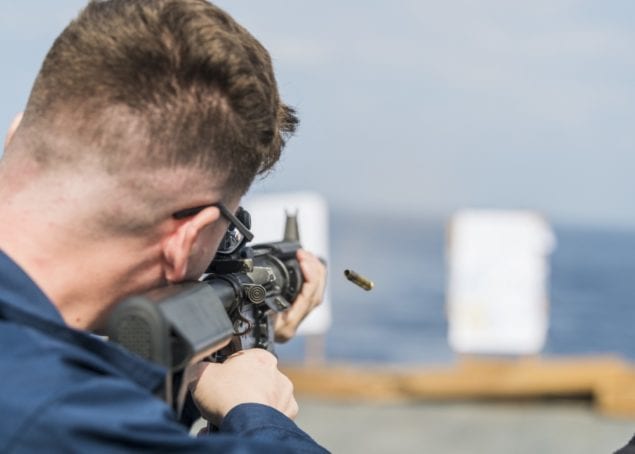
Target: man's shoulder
[32, 361]
[57, 360]
[39, 370]
[49, 387]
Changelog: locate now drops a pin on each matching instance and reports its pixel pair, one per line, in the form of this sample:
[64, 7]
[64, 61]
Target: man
[142, 109]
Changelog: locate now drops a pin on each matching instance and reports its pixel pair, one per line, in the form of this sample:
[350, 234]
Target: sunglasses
[238, 233]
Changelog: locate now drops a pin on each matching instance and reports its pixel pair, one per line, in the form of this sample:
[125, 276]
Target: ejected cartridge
[360, 280]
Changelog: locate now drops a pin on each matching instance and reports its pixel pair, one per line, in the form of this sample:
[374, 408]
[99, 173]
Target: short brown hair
[199, 88]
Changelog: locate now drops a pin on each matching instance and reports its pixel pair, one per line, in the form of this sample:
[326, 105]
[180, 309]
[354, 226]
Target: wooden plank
[608, 381]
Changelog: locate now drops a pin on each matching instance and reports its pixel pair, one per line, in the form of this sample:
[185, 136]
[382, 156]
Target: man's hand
[311, 295]
[248, 376]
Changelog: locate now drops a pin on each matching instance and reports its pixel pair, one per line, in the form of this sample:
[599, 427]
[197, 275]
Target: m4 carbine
[236, 301]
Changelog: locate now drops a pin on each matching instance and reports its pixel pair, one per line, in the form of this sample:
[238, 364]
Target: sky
[423, 107]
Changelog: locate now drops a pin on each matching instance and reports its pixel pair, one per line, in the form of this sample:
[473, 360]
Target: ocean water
[402, 321]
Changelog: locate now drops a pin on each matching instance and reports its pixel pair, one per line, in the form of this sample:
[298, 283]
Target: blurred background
[410, 111]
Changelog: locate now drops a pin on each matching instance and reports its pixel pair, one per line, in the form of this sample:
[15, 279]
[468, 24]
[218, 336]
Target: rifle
[232, 308]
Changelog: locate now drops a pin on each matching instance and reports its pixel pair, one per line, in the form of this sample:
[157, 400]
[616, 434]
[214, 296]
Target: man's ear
[14, 126]
[178, 243]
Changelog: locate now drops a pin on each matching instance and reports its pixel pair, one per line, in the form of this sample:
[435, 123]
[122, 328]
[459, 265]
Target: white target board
[497, 294]
[268, 219]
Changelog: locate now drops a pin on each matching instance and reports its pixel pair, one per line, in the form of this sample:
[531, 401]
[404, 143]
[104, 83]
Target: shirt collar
[18, 291]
